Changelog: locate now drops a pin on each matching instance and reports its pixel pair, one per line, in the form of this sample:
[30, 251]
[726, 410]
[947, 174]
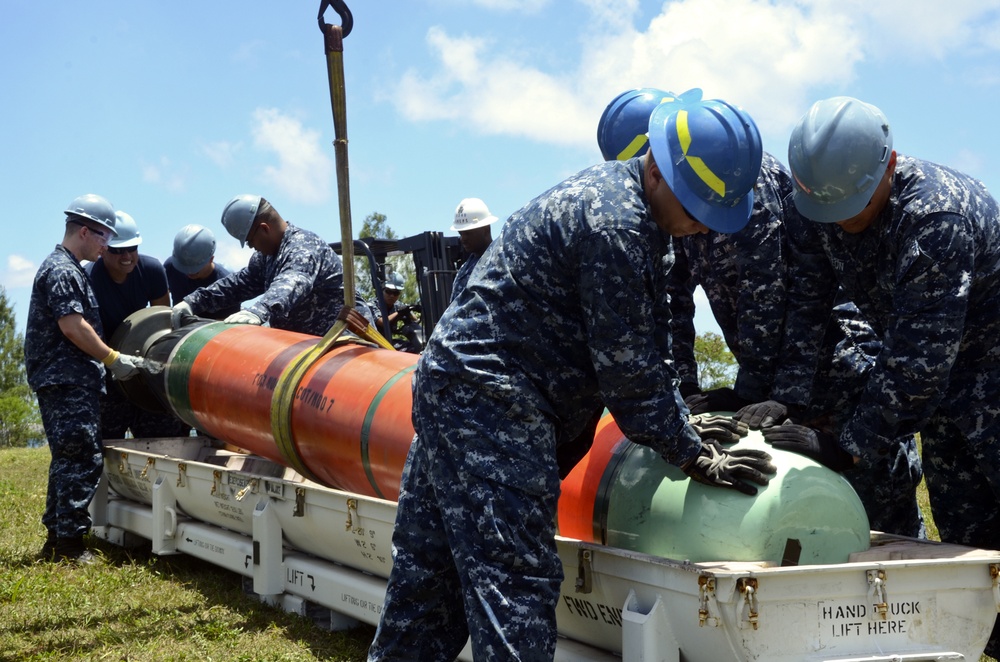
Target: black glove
[688, 389]
[724, 429]
[760, 415]
[819, 446]
[721, 468]
[719, 399]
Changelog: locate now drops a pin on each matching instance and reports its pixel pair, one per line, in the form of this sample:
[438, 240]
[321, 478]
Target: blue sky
[171, 109]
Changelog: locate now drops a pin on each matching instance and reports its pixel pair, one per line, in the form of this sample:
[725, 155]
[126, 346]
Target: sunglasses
[122, 250]
[103, 234]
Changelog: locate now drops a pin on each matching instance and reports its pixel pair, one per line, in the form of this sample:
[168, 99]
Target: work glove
[718, 399]
[815, 444]
[178, 313]
[123, 366]
[243, 317]
[687, 389]
[730, 468]
[356, 322]
[723, 429]
[760, 415]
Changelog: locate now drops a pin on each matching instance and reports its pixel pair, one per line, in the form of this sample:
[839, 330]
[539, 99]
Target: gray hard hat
[93, 208]
[239, 214]
[838, 153]
[128, 232]
[194, 248]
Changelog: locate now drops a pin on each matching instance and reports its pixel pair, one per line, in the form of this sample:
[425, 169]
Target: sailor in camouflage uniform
[298, 277]
[63, 356]
[745, 277]
[916, 246]
[472, 223]
[566, 312]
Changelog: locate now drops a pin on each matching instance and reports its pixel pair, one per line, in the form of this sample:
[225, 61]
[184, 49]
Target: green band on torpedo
[179, 374]
[366, 427]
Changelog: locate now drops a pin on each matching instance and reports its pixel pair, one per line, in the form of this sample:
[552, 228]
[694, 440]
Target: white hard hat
[472, 213]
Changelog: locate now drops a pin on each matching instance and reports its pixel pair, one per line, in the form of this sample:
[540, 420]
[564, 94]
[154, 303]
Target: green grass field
[131, 607]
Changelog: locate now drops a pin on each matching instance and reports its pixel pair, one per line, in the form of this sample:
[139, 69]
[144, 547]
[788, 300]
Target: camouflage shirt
[568, 311]
[61, 288]
[926, 274]
[300, 289]
[745, 278]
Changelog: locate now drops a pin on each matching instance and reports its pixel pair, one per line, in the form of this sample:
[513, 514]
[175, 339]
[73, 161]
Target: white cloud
[20, 271]
[221, 153]
[229, 254]
[164, 174]
[304, 171]
[770, 57]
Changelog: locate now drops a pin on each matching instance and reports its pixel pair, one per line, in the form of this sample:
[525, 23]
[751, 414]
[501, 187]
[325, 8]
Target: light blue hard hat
[239, 214]
[838, 153]
[127, 232]
[194, 248]
[93, 208]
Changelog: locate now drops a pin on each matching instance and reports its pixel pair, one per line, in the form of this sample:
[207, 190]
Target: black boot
[49, 548]
[73, 550]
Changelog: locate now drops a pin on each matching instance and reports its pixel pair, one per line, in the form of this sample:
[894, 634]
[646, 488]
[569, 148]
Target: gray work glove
[178, 313]
[719, 467]
[123, 366]
[815, 444]
[760, 415]
[716, 427]
[718, 399]
[243, 317]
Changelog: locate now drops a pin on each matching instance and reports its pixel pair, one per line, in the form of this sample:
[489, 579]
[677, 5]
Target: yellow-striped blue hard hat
[709, 153]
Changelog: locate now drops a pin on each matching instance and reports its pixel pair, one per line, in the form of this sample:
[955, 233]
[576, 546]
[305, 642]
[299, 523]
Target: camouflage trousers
[70, 417]
[963, 483]
[888, 490]
[470, 554]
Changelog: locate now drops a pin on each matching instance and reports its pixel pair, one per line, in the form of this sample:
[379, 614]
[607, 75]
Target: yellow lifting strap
[291, 377]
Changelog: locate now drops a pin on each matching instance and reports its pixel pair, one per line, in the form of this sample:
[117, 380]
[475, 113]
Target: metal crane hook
[346, 19]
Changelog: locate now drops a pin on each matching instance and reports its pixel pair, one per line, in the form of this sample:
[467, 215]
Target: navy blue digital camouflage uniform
[301, 288]
[68, 383]
[745, 277]
[567, 311]
[145, 283]
[462, 275]
[926, 273]
[181, 285]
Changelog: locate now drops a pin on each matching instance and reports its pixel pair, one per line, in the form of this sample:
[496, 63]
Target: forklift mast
[436, 259]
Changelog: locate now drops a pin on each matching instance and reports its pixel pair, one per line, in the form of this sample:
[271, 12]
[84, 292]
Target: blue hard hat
[621, 131]
[709, 153]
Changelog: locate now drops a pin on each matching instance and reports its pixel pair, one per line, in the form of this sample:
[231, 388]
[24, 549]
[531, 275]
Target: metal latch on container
[182, 469]
[300, 502]
[877, 594]
[250, 487]
[584, 571]
[706, 595]
[216, 482]
[122, 463]
[149, 463]
[995, 576]
[747, 586]
[352, 514]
